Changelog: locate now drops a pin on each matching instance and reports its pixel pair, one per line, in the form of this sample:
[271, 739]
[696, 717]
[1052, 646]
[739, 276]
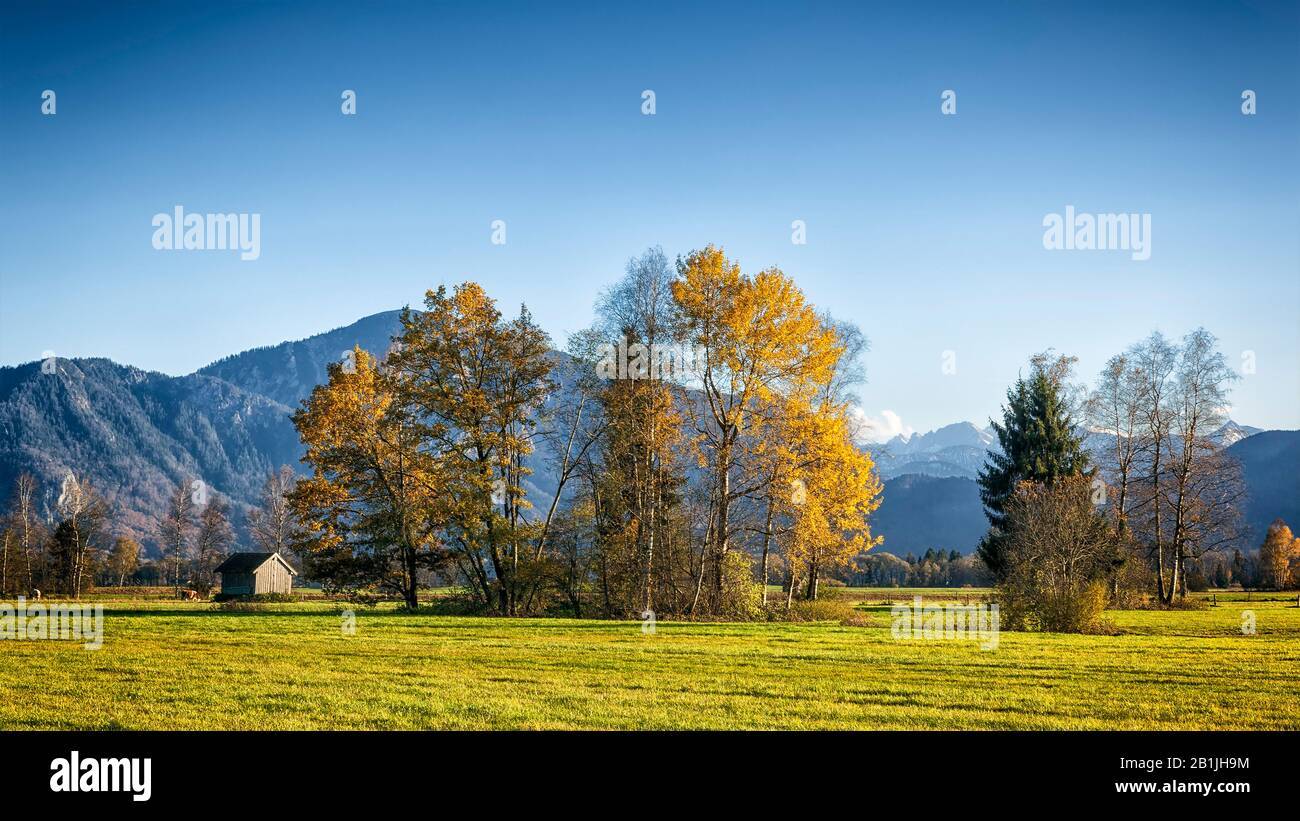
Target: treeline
[68, 545]
[934, 568]
[697, 438]
[60, 546]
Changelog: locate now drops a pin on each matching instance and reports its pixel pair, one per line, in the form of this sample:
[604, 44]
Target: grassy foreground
[167, 665]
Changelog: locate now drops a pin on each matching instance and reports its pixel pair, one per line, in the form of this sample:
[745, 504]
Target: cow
[189, 595]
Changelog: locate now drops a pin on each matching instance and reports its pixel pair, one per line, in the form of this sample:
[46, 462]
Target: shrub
[742, 596]
[830, 609]
[1133, 583]
[1057, 554]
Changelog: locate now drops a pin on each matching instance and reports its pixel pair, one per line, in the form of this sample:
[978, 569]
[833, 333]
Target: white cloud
[876, 429]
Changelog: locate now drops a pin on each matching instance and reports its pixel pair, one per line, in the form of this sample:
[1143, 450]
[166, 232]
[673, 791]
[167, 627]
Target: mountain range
[137, 433]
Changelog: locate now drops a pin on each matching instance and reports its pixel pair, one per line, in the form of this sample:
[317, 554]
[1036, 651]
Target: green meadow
[182, 666]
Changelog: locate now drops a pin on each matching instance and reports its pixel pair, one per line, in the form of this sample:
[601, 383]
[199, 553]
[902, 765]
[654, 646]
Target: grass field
[166, 665]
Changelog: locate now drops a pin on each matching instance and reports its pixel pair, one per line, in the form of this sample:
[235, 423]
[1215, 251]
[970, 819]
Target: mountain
[919, 512]
[932, 500]
[1232, 433]
[959, 449]
[958, 434]
[137, 433]
[287, 372]
[1270, 466]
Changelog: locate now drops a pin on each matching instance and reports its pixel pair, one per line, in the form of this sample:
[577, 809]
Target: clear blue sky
[924, 229]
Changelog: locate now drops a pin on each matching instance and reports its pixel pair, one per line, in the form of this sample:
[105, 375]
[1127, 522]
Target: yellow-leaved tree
[836, 490]
[1277, 555]
[375, 499]
[758, 343]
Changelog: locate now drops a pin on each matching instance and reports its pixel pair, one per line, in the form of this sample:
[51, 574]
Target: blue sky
[925, 229]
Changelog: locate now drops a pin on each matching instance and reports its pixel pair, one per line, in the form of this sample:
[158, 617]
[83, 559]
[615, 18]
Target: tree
[1115, 408]
[1178, 492]
[1276, 555]
[6, 544]
[375, 499]
[642, 476]
[1056, 552]
[836, 491]
[124, 558]
[473, 384]
[272, 525]
[1037, 443]
[755, 337]
[1205, 484]
[82, 516]
[175, 527]
[1155, 361]
[26, 524]
[211, 542]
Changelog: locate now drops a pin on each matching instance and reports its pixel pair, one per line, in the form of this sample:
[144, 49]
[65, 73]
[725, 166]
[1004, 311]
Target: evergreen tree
[1038, 444]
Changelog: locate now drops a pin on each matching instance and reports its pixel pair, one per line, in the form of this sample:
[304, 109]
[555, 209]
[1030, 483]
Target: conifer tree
[1038, 444]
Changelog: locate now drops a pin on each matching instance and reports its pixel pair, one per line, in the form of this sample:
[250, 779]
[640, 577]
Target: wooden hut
[251, 574]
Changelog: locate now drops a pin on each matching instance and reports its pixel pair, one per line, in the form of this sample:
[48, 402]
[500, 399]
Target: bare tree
[1179, 493]
[1115, 408]
[1205, 485]
[640, 310]
[175, 527]
[8, 542]
[82, 516]
[211, 542]
[1155, 361]
[273, 525]
[1058, 551]
[570, 426]
[26, 522]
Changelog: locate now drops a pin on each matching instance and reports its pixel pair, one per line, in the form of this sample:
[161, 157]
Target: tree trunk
[720, 536]
[767, 539]
[412, 599]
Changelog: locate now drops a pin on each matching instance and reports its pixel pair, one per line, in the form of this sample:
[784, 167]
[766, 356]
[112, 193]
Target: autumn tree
[374, 503]
[123, 559]
[474, 383]
[755, 337]
[836, 490]
[1280, 550]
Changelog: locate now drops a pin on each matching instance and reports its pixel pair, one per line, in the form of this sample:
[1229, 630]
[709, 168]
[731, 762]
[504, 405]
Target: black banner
[146, 772]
